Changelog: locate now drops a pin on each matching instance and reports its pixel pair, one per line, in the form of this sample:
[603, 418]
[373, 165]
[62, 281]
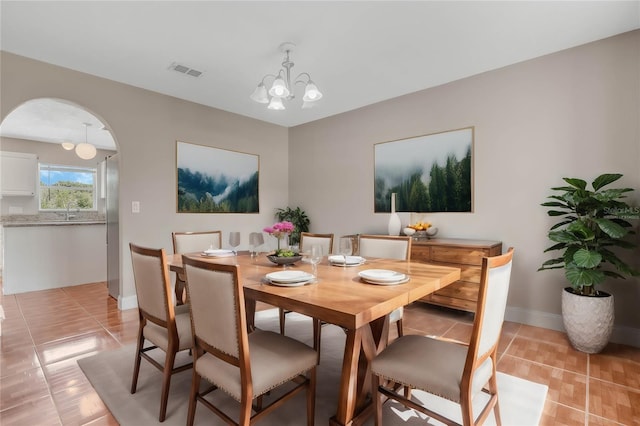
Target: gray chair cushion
[428, 364]
[158, 335]
[275, 359]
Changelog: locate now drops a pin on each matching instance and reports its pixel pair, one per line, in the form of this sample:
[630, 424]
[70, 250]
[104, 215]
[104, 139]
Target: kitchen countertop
[54, 223]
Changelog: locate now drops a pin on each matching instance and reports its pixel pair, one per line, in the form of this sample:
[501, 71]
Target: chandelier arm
[302, 81]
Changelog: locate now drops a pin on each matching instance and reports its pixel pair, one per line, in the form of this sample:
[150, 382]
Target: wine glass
[345, 248]
[315, 256]
[255, 239]
[234, 241]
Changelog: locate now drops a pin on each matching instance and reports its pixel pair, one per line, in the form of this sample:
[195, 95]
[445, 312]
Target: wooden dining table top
[340, 297]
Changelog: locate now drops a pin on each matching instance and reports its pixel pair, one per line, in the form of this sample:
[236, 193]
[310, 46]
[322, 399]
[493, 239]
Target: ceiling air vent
[183, 69]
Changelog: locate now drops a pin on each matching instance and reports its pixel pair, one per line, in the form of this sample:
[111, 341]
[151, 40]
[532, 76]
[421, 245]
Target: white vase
[588, 320]
[394, 220]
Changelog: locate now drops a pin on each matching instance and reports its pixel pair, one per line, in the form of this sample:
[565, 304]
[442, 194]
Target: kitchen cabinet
[464, 254]
[40, 257]
[19, 172]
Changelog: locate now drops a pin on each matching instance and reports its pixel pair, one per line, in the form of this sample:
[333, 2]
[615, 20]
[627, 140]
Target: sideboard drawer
[464, 254]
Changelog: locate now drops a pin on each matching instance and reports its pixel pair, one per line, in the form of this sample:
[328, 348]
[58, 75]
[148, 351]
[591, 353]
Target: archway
[41, 126]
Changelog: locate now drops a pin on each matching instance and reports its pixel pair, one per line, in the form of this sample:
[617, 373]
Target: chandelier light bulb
[311, 92]
[279, 88]
[260, 94]
[276, 103]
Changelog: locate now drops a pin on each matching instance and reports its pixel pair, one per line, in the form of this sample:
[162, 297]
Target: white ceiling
[357, 52]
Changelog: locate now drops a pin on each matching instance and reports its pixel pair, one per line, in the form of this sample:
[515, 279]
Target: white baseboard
[621, 334]
[128, 302]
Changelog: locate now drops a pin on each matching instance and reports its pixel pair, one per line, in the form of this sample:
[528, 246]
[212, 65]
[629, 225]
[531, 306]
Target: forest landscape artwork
[430, 173]
[213, 180]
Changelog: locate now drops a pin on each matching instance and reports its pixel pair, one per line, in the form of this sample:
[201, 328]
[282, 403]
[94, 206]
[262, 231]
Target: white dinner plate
[218, 253]
[351, 260]
[382, 276]
[405, 280]
[294, 284]
[288, 277]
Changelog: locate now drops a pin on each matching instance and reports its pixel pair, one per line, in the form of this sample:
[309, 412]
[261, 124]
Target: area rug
[521, 401]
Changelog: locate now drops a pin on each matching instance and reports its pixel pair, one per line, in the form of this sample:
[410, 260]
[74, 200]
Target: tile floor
[45, 332]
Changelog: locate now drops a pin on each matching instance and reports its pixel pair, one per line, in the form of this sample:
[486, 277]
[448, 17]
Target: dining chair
[389, 247]
[166, 326]
[244, 366]
[308, 239]
[191, 242]
[450, 369]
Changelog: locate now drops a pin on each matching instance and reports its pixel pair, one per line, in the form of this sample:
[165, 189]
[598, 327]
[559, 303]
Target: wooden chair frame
[179, 285]
[168, 369]
[472, 362]
[408, 239]
[242, 362]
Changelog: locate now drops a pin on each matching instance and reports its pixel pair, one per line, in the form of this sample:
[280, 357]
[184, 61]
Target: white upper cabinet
[18, 174]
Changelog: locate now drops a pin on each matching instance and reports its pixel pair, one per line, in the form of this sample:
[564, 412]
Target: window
[67, 187]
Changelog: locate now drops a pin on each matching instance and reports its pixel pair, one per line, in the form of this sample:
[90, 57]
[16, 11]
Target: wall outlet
[135, 207]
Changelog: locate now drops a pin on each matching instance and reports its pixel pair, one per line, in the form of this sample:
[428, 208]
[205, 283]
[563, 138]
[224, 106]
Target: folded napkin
[351, 260]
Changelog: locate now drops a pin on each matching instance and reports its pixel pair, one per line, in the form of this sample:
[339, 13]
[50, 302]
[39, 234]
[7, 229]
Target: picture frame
[216, 180]
[429, 173]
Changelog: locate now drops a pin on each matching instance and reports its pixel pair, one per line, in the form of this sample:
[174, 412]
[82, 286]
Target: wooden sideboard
[464, 254]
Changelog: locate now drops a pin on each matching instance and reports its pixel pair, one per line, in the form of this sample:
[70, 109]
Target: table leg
[361, 347]
[250, 312]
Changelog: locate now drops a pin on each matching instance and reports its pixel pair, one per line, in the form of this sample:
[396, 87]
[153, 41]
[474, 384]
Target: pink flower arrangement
[279, 230]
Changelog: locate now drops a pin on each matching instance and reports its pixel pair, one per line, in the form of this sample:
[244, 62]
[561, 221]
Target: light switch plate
[135, 207]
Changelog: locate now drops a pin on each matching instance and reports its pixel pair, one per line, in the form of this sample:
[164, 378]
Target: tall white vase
[394, 220]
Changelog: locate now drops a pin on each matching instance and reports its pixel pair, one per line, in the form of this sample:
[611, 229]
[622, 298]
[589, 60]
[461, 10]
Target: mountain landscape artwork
[213, 180]
[430, 173]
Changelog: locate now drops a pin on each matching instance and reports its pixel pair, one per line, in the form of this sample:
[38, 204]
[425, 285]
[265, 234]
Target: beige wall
[145, 126]
[570, 114]
[574, 113]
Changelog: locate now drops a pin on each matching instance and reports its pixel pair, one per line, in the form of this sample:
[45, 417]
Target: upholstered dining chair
[166, 326]
[191, 242]
[308, 239]
[450, 369]
[389, 247]
[245, 366]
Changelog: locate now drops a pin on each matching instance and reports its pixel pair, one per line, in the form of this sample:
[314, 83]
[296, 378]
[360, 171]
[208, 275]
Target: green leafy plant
[299, 219]
[593, 222]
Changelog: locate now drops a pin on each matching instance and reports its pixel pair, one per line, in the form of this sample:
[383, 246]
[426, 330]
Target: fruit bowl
[281, 260]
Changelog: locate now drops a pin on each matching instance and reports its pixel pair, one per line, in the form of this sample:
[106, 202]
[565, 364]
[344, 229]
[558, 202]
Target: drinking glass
[315, 256]
[255, 240]
[234, 241]
[345, 248]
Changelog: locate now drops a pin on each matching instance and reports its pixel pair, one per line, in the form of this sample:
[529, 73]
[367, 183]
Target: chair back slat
[216, 305]
[325, 240]
[151, 277]
[191, 242]
[384, 246]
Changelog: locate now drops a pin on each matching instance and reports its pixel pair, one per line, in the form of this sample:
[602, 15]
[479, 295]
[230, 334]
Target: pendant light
[85, 150]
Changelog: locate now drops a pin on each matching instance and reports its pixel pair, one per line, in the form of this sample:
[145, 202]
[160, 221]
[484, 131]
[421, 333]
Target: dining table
[340, 296]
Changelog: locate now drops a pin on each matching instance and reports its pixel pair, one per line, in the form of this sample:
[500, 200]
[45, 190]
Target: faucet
[69, 216]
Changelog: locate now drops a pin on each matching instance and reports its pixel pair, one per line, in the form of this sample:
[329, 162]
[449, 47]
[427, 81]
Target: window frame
[68, 168]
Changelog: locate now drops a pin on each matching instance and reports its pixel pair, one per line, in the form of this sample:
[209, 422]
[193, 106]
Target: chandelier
[282, 88]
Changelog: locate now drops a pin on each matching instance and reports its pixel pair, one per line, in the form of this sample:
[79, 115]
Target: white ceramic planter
[588, 320]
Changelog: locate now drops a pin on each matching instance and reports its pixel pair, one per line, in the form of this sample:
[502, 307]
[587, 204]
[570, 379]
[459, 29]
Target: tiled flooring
[45, 332]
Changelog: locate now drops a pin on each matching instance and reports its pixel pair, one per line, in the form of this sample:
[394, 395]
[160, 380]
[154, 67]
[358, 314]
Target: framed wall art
[213, 180]
[429, 173]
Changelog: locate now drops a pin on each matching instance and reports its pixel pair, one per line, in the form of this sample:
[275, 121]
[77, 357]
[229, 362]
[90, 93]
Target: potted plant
[593, 225]
[299, 219]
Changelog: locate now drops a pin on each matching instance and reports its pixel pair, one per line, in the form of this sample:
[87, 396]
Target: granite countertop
[54, 223]
[54, 219]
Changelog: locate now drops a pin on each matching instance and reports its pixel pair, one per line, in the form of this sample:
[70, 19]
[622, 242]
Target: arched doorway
[66, 137]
